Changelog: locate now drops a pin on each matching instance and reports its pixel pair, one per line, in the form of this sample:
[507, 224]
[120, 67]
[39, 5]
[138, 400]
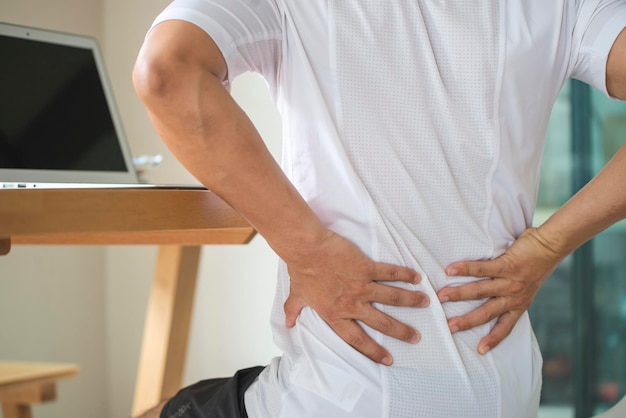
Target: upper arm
[247, 34]
[599, 45]
[616, 68]
[179, 42]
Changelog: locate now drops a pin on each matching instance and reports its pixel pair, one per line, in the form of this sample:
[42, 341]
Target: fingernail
[484, 349]
[452, 271]
[444, 299]
[425, 302]
[417, 279]
[415, 339]
[454, 328]
[387, 361]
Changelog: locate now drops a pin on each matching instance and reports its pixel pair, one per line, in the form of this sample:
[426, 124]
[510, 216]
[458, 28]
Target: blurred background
[579, 315]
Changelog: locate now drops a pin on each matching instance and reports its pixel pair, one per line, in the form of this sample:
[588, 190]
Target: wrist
[554, 241]
[302, 242]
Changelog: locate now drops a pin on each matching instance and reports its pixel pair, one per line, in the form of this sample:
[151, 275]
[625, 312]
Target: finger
[491, 309]
[392, 273]
[490, 268]
[355, 336]
[481, 289]
[500, 331]
[389, 326]
[394, 296]
[292, 307]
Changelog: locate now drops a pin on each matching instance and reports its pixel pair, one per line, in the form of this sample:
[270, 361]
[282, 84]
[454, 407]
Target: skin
[178, 75]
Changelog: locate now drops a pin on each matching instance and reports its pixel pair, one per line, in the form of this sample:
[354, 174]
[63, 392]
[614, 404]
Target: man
[413, 134]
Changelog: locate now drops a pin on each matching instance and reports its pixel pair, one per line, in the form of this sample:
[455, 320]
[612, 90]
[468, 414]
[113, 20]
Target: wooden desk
[179, 221]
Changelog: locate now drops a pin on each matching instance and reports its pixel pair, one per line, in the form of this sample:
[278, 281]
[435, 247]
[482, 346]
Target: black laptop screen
[53, 110]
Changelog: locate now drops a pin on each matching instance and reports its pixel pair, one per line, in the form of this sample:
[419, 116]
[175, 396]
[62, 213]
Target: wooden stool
[23, 384]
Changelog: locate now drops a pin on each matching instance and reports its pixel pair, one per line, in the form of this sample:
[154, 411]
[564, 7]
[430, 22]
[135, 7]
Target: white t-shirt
[415, 129]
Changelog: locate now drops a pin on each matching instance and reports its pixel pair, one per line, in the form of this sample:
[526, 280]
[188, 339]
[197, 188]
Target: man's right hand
[340, 283]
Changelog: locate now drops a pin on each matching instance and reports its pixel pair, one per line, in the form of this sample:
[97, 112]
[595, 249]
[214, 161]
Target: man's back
[398, 102]
[414, 129]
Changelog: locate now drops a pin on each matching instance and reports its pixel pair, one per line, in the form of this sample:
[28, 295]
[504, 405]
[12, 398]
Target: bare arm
[178, 76]
[521, 270]
[616, 68]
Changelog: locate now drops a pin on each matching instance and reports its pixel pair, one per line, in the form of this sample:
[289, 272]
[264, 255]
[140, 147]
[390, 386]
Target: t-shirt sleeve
[598, 24]
[247, 32]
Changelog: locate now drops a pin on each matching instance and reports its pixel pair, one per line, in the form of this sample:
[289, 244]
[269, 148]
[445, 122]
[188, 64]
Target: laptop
[59, 124]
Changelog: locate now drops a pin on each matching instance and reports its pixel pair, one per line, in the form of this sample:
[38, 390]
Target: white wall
[230, 328]
[52, 309]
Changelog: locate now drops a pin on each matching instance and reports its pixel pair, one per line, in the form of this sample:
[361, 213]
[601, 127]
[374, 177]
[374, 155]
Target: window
[579, 315]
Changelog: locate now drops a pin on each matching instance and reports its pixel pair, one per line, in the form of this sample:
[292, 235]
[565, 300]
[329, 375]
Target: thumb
[293, 306]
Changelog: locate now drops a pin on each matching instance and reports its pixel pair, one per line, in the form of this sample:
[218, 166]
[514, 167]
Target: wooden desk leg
[16, 411]
[166, 330]
[5, 245]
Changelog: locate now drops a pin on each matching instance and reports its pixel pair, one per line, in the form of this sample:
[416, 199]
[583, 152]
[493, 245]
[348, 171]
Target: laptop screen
[58, 121]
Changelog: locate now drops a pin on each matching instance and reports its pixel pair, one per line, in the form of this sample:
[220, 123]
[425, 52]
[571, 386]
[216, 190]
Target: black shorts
[213, 398]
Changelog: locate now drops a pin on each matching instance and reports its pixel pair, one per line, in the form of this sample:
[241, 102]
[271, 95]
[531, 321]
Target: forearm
[600, 204]
[215, 140]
